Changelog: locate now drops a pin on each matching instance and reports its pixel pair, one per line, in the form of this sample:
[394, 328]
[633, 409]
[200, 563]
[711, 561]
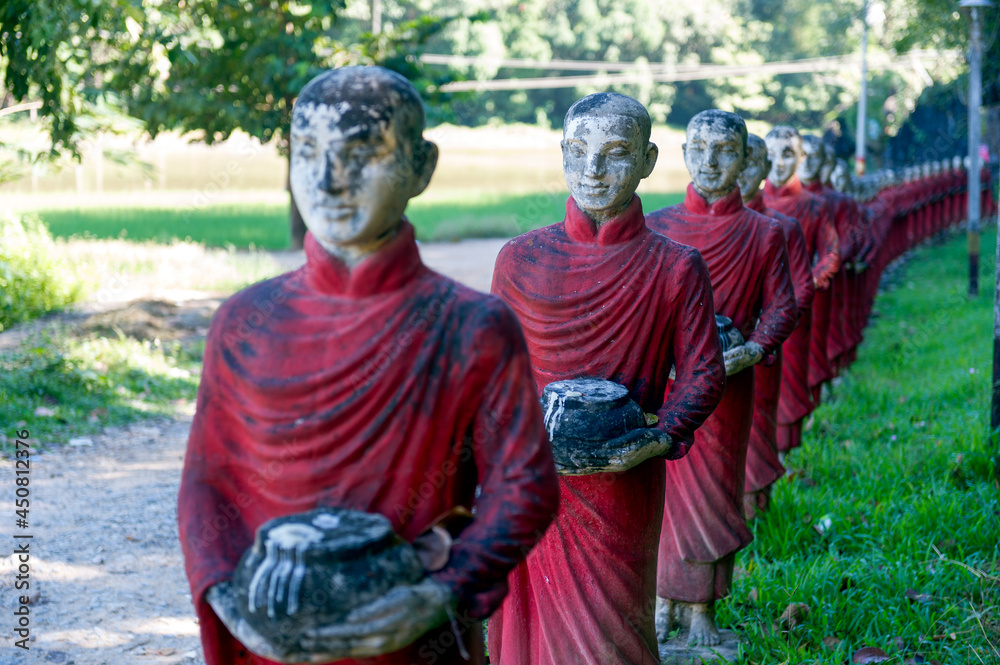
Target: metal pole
[975, 126]
[376, 16]
[859, 152]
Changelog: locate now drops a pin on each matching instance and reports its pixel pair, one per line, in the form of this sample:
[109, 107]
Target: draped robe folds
[703, 518]
[764, 466]
[617, 302]
[822, 245]
[844, 212]
[387, 388]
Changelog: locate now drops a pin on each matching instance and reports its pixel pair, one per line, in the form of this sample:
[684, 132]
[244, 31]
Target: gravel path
[107, 579]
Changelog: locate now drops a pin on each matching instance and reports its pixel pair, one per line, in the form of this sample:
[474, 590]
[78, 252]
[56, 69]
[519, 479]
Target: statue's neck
[712, 197]
[353, 254]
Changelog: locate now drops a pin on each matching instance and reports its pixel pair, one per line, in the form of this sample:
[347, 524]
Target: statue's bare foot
[703, 629]
[664, 618]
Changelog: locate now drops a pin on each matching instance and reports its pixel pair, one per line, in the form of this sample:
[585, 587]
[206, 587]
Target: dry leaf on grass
[794, 615]
[869, 655]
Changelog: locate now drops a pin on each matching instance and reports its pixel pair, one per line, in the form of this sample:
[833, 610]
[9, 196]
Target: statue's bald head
[757, 150]
[785, 133]
[367, 99]
[716, 121]
[612, 103]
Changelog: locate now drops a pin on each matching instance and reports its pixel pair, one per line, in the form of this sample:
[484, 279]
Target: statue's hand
[741, 357]
[385, 625]
[620, 454]
[222, 598]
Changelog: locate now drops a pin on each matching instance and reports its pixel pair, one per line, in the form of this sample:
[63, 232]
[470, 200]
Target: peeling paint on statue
[748, 263]
[364, 438]
[585, 594]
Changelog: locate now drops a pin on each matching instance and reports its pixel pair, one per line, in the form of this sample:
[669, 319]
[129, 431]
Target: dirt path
[107, 579]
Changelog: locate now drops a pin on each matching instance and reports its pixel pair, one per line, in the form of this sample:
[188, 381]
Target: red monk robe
[388, 389]
[764, 466]
[796, 400]
[620, 303]
[843, 212]
[747, 259]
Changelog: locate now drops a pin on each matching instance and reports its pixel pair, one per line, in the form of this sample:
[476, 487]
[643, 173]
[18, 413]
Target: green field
[266, 225]
[893, 494]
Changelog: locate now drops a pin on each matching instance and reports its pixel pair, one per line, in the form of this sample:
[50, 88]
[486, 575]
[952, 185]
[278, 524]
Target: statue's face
[956, 163]
[604, 158]
[754, 172]
[812, 161]
[784, 153]
[715, 156]
[351, 181]
[829, 164]
[840, 178]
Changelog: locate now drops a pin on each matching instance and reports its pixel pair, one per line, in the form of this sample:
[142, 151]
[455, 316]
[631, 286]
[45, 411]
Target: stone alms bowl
[312, 569]
[582, 415]
[729, 335]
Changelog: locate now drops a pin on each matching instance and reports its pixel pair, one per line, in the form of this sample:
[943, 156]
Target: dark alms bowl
[729, 335]
[312, 569]
[582, 415]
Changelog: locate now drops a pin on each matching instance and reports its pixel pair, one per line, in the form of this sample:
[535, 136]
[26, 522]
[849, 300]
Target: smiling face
[353, 168]
[715, 152]
[812, 160]
[784, 149]
[756, 168]
[605, 155]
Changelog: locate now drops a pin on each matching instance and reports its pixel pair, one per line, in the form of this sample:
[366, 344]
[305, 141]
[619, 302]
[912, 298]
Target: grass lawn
[888, 524]
[265, 225]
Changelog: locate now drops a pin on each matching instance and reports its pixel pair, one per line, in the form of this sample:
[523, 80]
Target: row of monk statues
[381, 458]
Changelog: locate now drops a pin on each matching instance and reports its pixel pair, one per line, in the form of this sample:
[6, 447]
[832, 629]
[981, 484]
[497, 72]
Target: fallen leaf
[754, 595]
[793, 616]
[832, 642]
[899, 643]
[869, 655]
[45, 412]
[914, 597]
[918, 659]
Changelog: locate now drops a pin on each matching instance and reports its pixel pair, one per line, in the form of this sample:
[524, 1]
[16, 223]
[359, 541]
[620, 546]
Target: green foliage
[66, 53]
[33, 280]
[88, 383]
[886, 525]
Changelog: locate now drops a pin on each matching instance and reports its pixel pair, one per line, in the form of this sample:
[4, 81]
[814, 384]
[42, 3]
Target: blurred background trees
[216, 66]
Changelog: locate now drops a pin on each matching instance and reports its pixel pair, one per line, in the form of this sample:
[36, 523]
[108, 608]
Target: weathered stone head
[935, 167]
[606, 152]
[784, 148]
[956, 163]
[840, 177]
[715, 152]
[758, 164]
[814, 155]
[967, 162]
[358, 155]
[829, 163]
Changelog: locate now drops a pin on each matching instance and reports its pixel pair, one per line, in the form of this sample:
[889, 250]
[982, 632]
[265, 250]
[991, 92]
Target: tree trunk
[296, 223]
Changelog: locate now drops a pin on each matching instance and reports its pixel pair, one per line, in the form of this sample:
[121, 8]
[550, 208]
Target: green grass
[899, 466]
[265, 225]
[86, 383]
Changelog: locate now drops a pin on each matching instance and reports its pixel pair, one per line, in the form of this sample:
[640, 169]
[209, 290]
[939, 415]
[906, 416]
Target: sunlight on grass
[898, 469]
[264, 225]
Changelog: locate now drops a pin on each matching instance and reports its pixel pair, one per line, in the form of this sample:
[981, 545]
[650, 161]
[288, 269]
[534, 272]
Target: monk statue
[764, 466]
[365, 381]
[783, 192]
[703, 519]
[821, 370]
[601, 296]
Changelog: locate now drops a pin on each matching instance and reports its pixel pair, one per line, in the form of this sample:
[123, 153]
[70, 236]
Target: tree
[64, 52]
